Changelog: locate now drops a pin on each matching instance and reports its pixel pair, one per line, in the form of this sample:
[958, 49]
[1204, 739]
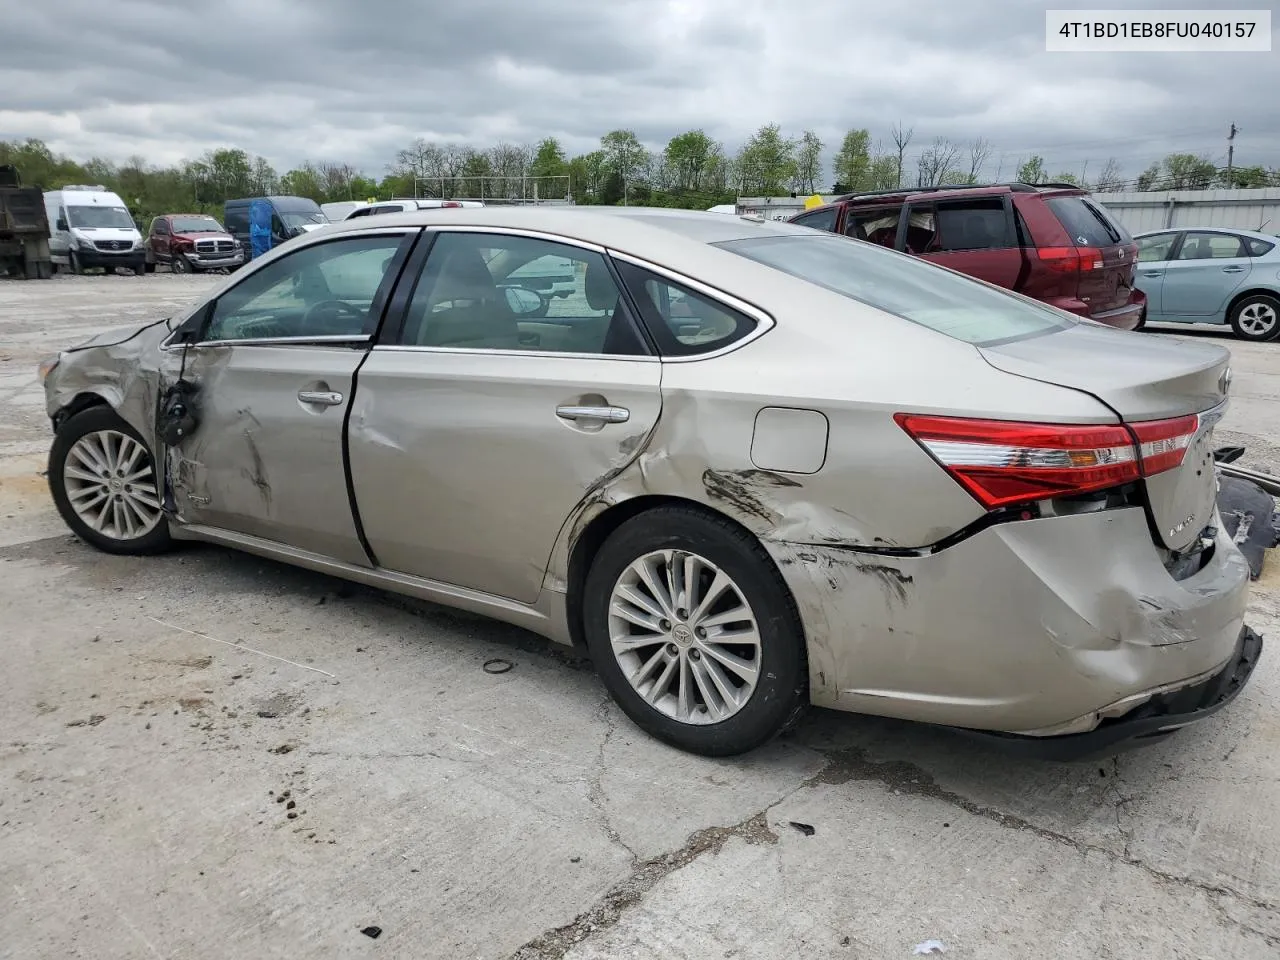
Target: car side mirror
[61, 224]
[522, 302]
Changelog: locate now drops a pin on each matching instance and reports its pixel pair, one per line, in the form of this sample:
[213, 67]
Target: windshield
[95, 217]
[915, 290]
[196, 225]
[292, 219]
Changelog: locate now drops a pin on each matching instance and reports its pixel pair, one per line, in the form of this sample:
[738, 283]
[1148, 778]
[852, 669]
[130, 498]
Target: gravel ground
[211, 755]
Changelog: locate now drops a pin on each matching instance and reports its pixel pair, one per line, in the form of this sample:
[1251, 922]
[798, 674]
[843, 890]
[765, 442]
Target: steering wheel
[326, 315]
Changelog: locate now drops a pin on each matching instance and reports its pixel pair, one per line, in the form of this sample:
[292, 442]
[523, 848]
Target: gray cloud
[336, 80]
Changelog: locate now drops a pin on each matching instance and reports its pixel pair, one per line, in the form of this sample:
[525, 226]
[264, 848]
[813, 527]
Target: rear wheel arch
[1246, 294]
[588, 543]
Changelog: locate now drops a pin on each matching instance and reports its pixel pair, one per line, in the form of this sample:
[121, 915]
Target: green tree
[303, 181]
[1186, 171]
[808, 162]
[1149, 179]
[625, 155]
[1032, 171]
[767, 162]
[1070, 178]
[687, 156]
[852, 163]
[1244, 178]
[548, 159]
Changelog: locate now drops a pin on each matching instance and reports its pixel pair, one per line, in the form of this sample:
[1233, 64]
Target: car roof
[643, 231]
[1269, 237]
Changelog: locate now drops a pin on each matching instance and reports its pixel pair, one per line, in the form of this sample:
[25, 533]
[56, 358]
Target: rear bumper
[1160, 716]
[1038, 628]
[1127, 317]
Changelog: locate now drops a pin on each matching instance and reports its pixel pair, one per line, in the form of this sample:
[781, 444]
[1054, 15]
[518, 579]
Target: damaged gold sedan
[748, 466]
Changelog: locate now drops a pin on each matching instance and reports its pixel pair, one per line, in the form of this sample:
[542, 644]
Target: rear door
[1205, 272]
[1108, 282]
[480, 424]
[1154, 252]
[972, 235]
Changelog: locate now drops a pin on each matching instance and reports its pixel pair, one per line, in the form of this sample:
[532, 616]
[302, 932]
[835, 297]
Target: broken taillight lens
[1002, 462]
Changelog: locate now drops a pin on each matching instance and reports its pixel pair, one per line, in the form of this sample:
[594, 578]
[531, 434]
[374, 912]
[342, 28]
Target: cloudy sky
[356, 80]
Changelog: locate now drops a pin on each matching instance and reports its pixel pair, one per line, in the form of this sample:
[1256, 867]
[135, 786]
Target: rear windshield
[1087, 223]
[910, 288]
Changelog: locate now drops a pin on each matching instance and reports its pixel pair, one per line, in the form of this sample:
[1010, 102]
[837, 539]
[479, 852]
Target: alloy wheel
[684, 636]
[1258, 319]
[111, 485]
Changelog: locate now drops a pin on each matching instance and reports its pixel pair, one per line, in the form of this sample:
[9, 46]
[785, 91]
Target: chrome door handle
[607, 414]
[1151, 273]
[1233, 269]
[322, 398]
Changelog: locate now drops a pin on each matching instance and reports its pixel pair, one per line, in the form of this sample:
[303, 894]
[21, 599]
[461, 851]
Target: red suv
[1052, 242]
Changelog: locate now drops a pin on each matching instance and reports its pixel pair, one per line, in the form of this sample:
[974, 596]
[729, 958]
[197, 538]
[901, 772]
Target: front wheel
[1256, 318]
[77, 266]
[179, 264]
[103, 481]
[694, 633]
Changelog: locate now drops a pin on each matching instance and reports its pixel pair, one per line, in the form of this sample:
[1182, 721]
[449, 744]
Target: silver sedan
[747, 466]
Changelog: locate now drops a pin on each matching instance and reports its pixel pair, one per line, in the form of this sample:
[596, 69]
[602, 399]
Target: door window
[683, 321]
[1155, 248]
[160, 227]
[1210, 246]
[824, 219]
[489, 291]
[977, 224]
[324, 290]
[878, 226]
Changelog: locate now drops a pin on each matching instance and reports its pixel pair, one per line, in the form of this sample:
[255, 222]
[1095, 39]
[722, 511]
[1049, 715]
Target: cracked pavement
[166, 795]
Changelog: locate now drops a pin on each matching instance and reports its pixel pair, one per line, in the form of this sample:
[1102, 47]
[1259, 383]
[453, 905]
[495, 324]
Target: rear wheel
[694, 633]
[1142, 320]
[103, 481]
[1256, 318]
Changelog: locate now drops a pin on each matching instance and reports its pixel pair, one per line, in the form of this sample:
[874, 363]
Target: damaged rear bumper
[1160, 716]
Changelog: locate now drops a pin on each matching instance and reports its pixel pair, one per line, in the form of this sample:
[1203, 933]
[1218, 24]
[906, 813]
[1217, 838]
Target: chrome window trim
[764, 321]
[248, 269]
[276, 341]
[482, 351]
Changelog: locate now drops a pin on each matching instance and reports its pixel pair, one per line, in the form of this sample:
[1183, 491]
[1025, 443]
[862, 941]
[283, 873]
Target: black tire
[93, 420]
[76, 266]
[179, 264]
[140, 268]
[1245, 315]
[781, 691]
[149, 266]
[1142, 321]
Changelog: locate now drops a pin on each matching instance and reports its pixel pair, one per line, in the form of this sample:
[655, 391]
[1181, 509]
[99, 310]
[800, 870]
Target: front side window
[952, 304]
[878, 225]
[1210, 246]
[683, 321]
[1155, 248]
[159, 227]
[824, 219]
[325, 290]
[489, 291]
[95, 217]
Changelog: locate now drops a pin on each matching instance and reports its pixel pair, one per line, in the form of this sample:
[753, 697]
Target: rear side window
[1256, 247]
[1210, 246]
[978, 224]
[824, 219]
[1086, 223]
[915, 290]
[682, 321]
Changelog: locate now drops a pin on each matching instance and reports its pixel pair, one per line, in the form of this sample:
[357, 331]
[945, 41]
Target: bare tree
[335, 178]
[979, 153]
[901, 139]
[1109, 180]
[936, 162]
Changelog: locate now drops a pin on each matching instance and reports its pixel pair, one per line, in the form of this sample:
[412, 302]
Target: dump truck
[24, 229]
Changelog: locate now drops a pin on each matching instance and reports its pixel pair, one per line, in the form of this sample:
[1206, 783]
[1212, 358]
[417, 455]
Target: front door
[489, 416]
[1207, 270]
[274, 363]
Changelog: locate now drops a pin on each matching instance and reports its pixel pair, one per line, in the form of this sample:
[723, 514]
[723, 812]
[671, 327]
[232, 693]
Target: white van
[91, 227]
[338, 209]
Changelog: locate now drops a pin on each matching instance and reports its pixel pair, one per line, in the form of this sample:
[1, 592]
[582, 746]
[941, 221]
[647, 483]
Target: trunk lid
[1140, 378]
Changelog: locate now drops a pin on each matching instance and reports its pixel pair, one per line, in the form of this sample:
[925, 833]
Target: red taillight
[450, 203]
[1164, 443]
[1071, 259]
[1002, 463]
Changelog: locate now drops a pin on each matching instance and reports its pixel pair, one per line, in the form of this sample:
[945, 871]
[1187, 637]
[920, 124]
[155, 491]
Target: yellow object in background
[814, 201]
